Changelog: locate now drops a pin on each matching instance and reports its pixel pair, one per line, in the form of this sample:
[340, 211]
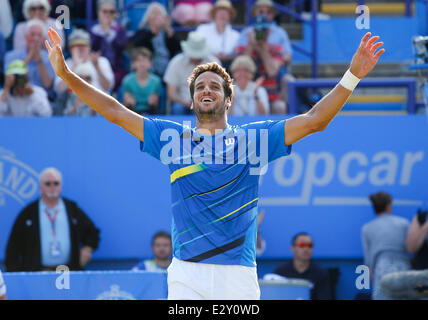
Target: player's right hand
[55, 53]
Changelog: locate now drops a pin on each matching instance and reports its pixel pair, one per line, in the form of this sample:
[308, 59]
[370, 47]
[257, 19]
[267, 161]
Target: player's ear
[191, 105]
[228, 103]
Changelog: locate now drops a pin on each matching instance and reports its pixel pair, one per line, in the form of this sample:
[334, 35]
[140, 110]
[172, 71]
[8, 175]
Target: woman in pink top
[192, 12]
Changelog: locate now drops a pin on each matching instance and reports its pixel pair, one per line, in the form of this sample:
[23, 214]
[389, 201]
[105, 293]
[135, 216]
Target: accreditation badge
[55, 248]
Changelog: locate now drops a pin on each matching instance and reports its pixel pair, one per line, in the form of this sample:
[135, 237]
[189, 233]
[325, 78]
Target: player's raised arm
[102, 103]
[317, 119]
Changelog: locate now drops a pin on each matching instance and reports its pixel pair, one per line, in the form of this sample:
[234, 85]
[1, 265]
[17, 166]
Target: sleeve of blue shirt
[276, 138]
[153, 129]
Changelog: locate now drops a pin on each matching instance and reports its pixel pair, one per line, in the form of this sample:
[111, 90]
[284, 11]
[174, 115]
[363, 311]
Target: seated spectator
[141, 88]
[195, 52]
[34, 9]
[250, 97]
[19, 97]
[79, 44]
[302, 267]
[156, 34]
[270, 47]
[384, 242]
[223, 38]
[61, 233]
[417, 240]
[109, 39]
[2, 288]
[162, 249]
[74, 106]
[192, 12]
[40, 72]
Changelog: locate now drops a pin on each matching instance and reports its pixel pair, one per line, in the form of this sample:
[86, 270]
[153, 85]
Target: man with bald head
[51, 231]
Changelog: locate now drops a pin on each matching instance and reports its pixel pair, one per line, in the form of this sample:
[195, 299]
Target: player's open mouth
[207, 99]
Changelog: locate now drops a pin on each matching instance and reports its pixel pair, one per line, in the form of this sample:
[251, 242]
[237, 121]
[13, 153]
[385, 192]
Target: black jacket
[23, 251]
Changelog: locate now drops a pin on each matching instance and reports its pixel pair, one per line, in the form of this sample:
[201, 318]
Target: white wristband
[349, 81]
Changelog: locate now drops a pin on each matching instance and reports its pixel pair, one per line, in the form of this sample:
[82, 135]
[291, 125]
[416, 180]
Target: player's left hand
[366, 56]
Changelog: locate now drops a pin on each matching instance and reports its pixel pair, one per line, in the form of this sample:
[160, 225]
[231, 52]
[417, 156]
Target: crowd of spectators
[145, 69]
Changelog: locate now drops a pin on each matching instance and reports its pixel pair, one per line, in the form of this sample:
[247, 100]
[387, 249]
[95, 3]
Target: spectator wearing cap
[195, 52]
[156, 34]
[40, 72]
[270, 47]
[250, 98]
[302, 267]
[192, 12]
[35, 9]
[109, 39]
[19, 97]
[79, 45]
[223, 38]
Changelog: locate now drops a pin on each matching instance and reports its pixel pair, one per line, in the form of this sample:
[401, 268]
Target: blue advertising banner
[90, 285]
[321, 188]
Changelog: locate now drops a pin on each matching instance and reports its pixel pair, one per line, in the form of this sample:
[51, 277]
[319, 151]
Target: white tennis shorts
[203, 281]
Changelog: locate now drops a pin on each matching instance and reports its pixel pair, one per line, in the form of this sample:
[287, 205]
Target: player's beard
[212, 114]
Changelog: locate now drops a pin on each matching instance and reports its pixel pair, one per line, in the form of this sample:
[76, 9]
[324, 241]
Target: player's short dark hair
[141, 51]
[380, 201]
[217, 69]
[293, 240]
[161, 234]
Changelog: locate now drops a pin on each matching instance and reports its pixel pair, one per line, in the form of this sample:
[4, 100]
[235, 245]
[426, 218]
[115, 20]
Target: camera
[420, 49]
[261, 27]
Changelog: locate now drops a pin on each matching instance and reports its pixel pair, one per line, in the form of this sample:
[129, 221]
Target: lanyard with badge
[54, 246]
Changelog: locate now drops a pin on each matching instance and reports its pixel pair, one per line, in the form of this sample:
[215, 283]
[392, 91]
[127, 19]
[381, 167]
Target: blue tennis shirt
[214, 185]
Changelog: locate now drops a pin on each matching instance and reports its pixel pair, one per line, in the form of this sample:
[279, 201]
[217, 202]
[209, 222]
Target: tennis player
[214, 176]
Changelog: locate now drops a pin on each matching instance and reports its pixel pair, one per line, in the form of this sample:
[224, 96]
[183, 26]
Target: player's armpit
[298, 127]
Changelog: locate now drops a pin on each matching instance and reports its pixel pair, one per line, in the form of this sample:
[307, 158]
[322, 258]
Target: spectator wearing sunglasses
[51, 231]
[35, 9]
[302, 267]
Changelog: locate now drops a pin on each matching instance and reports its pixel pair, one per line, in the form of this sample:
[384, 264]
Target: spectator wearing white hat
[79, 44]
[195, 52]
[223, 38]
[35, 9]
